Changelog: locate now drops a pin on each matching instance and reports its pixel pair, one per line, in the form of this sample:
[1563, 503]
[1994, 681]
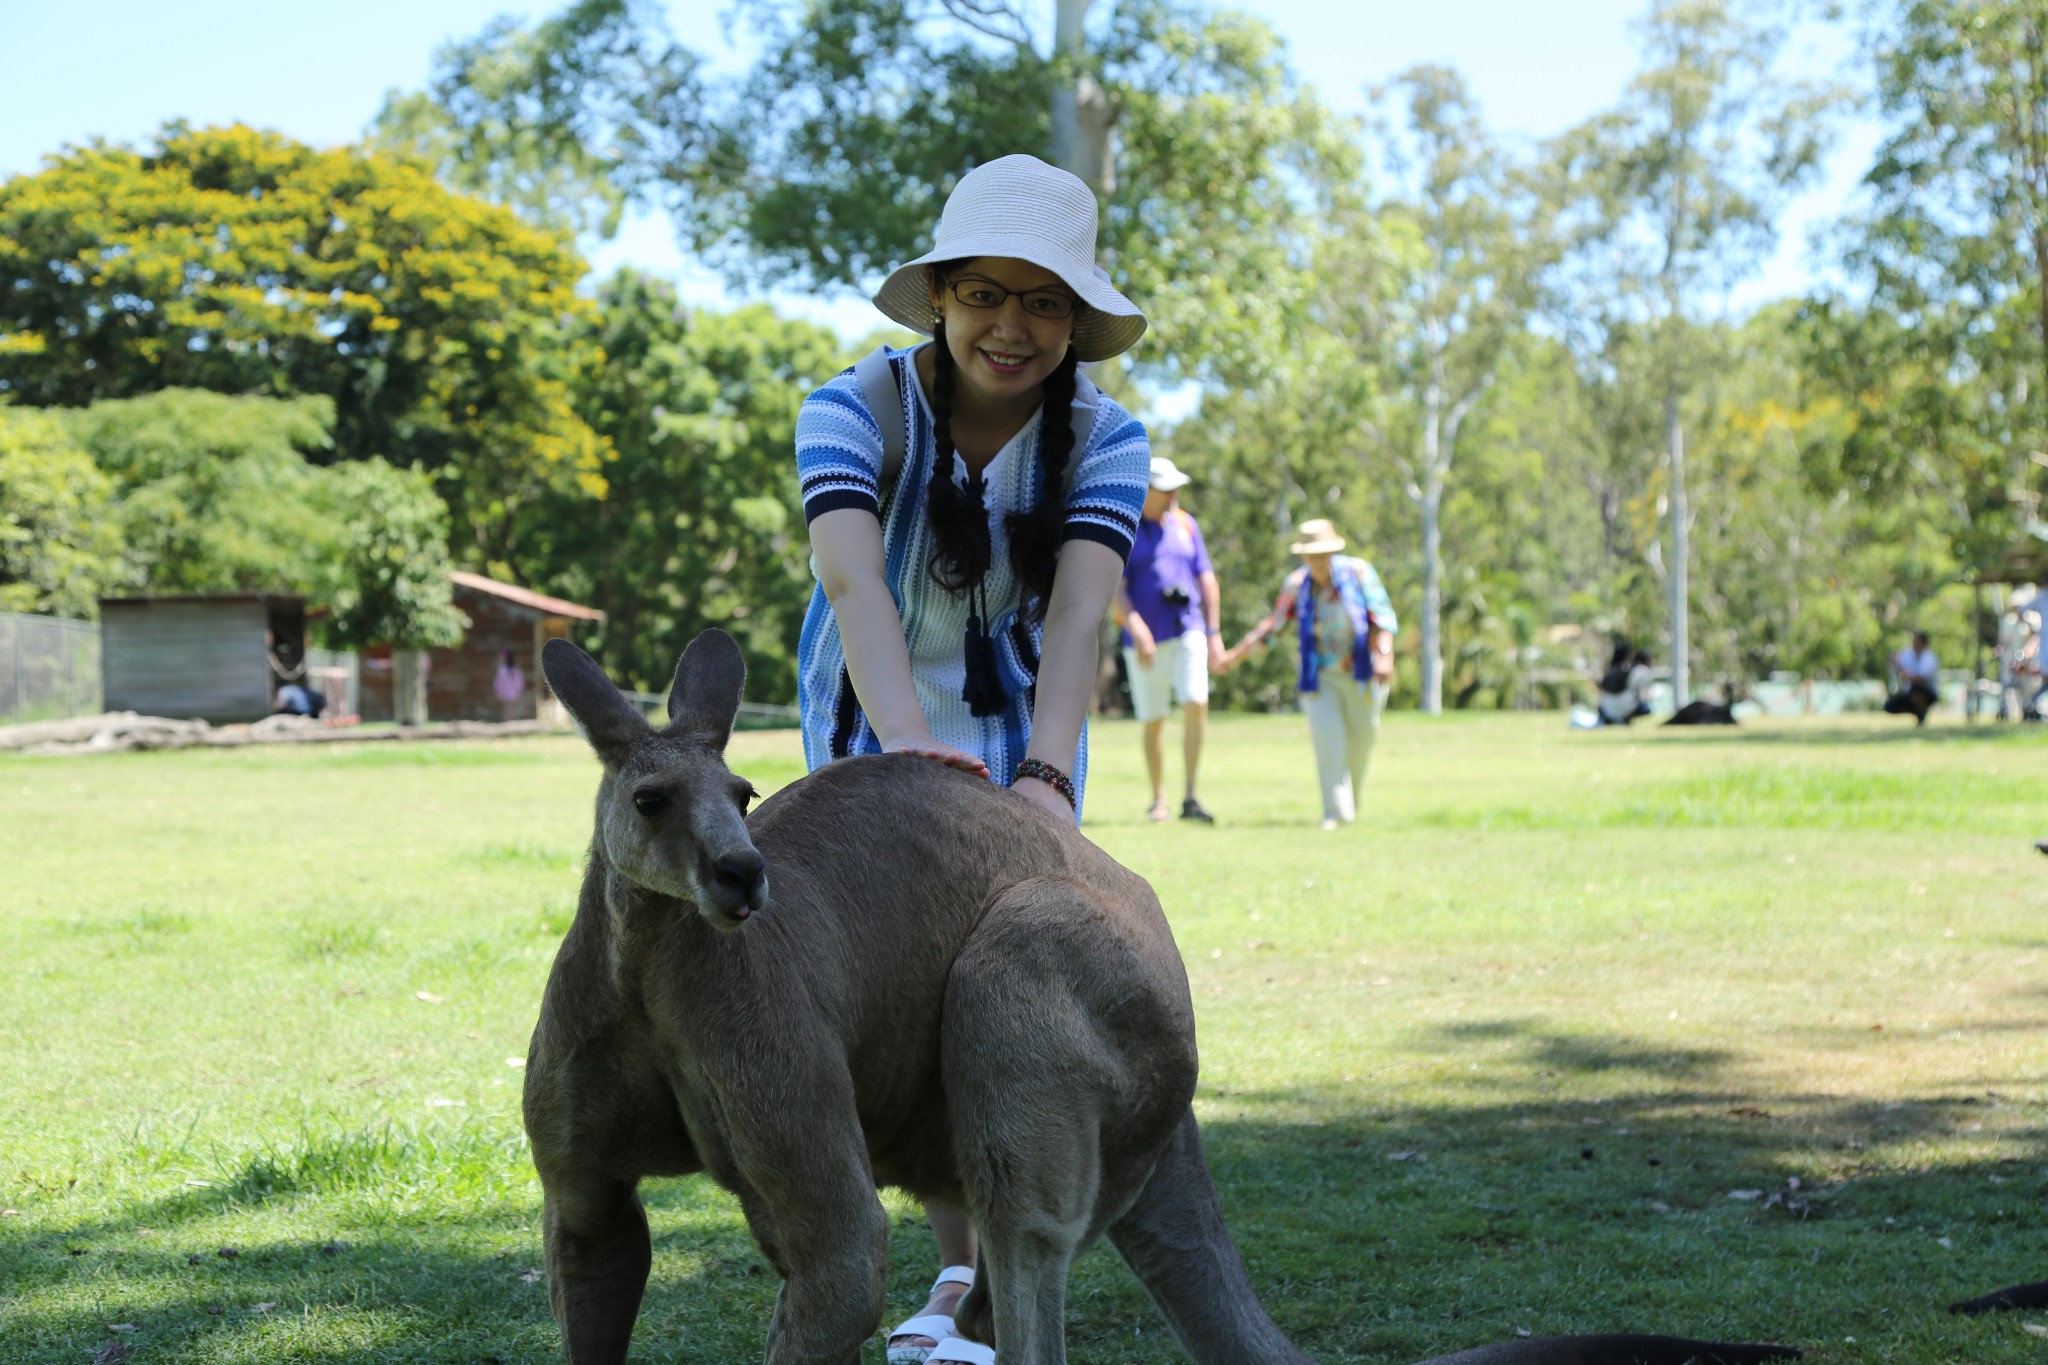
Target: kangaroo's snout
[732, 885]
[740, 881]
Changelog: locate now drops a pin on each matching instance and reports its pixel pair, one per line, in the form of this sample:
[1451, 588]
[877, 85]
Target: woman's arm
[1283, 607]
[1082, 586]
[847, 544]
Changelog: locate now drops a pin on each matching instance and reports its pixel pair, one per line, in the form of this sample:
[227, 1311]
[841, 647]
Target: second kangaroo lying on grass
[892, 973]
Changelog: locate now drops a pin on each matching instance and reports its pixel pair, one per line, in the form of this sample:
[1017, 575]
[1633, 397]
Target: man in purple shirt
[1170, 609]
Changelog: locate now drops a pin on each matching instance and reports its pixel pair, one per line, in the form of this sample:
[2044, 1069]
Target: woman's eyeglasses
[1053, 304]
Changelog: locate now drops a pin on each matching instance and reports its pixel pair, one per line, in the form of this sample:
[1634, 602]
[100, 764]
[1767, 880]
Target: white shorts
[1179, 672]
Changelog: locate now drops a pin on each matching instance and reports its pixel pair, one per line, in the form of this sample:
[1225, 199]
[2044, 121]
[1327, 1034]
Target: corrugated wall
[202, 660]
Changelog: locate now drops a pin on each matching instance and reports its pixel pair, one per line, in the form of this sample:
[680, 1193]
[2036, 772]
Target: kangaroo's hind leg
[1067, 1058]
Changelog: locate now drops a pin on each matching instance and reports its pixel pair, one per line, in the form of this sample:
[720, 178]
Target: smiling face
[1004, 352]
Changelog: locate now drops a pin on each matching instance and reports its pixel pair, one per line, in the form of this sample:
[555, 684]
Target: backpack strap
[877, 379]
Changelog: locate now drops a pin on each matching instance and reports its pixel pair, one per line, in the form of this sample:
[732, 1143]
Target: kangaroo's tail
[1174, 1239]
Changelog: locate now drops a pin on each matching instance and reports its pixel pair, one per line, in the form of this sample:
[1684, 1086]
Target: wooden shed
[459, 681]
[218, 657]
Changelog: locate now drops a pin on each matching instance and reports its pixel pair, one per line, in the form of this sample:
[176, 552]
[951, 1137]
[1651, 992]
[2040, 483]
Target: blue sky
[117, 69]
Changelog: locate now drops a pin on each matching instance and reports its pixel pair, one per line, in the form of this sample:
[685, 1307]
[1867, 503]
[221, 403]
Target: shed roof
[204, 597]
[525, 597]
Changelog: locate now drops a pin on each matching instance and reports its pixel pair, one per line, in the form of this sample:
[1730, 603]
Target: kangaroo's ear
[709, 679]
[609, 721]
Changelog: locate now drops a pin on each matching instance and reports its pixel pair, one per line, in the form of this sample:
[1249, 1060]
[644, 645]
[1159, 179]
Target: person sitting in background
[1918, 677]
[295, 700]
[1623, 685]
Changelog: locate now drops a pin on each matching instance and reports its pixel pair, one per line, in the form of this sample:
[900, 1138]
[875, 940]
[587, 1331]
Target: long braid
[1035, 534]
[959, 520]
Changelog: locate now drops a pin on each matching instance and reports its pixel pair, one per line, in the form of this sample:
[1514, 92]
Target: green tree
[700, 524]
[1206, 152]
[1943, 360]
[1465, 288]
[242, 262]
[385, 575]
[60, 547]
[1674, 197]
[214, 493]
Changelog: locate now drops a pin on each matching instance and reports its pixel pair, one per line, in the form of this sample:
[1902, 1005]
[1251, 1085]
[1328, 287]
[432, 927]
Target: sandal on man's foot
[935, 1327]
[1191, 809]
[964, 1351]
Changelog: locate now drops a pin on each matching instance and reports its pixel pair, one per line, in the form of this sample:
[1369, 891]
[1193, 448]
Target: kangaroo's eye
[746, 796]
[650, 802]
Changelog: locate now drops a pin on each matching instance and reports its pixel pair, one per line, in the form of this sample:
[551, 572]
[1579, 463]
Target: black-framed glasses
[1055, 305]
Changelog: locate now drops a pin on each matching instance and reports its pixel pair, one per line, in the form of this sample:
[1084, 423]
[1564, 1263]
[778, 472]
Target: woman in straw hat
[962, 575]
[1345, 626]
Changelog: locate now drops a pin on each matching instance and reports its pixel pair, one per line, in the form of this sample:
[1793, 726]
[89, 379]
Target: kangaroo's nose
[742, 874]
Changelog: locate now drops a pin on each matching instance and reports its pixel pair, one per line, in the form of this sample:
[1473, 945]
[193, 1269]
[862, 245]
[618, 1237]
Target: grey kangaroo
[891, 973]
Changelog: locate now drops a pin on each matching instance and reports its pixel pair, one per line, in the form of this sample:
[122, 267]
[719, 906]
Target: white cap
[1166, 476]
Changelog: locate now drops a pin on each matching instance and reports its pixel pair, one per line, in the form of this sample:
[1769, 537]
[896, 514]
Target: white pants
[1179, 672]
[1343, 721]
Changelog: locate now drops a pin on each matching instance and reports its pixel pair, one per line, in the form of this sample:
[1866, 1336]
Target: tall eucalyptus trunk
[1082, 113]
[1678, 578]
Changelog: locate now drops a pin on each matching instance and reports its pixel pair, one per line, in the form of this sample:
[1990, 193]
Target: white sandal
[962, 1350]
[938, 1326]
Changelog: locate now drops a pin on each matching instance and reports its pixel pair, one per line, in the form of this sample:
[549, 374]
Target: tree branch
[988, 16]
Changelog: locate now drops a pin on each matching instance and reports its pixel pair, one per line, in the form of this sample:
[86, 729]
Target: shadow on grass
[1983, 732]
[1375, 1233]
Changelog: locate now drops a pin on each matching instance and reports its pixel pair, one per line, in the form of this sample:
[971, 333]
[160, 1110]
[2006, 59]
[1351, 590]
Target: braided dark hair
[961, 545]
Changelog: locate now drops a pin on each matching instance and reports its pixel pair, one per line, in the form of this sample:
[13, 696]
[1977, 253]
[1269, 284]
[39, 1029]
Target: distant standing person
[1169, 606]
[1919, 676]
[509, 686]
[1344, 624]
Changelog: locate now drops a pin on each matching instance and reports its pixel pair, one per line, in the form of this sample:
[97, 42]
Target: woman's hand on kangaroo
[927, 747]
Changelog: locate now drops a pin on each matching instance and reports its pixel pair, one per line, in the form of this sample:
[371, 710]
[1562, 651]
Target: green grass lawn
[1495, 1060]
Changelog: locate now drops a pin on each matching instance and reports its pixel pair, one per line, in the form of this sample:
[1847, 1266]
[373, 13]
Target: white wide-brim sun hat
[1020, 207]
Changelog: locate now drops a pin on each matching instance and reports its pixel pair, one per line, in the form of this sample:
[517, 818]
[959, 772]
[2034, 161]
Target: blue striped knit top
[839, 459]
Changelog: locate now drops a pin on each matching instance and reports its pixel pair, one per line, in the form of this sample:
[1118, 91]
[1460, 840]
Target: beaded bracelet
[1051, 776]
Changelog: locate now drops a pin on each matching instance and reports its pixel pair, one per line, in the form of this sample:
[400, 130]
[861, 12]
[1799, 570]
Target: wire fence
[753, 715]
[49, 668]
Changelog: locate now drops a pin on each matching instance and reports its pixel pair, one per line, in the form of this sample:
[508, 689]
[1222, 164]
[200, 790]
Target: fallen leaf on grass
[1749, 1111]
[267, 1306]
[1745, 1195]
[515, 1061]
[438, 1103]
[10, 1213]
[120, 1327]
[1407, 1156]
[531, 1276]
[2034, 1329]
[428, 996]
[1659, 1206]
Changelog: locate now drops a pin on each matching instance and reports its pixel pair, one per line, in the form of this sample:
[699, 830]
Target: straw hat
[1166, 475]
[1017, 206]
[1317, 536]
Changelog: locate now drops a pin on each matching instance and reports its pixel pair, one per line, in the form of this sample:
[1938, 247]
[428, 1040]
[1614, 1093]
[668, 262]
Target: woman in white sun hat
[971, 501]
